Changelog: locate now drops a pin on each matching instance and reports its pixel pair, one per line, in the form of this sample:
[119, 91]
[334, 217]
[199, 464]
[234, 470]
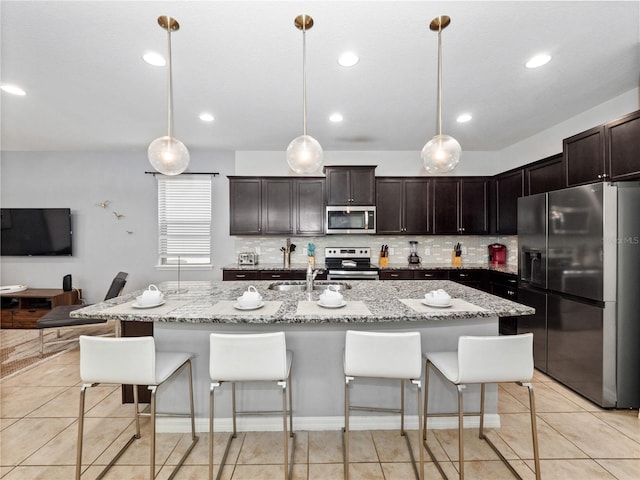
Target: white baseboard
[271, 423]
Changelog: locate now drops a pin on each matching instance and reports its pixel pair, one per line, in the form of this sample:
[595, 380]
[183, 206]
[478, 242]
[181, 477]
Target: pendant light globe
[304, 155]
[442, 153]
[167, 154]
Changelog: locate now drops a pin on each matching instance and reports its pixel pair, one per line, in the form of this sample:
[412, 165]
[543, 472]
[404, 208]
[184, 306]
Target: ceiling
[88, 88]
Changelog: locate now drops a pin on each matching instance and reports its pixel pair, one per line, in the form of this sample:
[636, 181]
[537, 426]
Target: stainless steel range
[350, 263]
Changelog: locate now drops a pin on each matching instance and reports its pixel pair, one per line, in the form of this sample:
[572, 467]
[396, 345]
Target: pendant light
[442, 153]
[304, 153]
[168, 155]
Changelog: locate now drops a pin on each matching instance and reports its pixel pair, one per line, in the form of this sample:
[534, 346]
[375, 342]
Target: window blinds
[184, 220]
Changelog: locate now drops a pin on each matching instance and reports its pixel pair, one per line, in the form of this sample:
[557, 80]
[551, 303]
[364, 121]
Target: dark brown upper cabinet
[276, 206]
[309, 206]
[623, 147]
[544, 175]
[507, 187]
[584, 157]
[350, 185]
[460, 205]
[402, 205]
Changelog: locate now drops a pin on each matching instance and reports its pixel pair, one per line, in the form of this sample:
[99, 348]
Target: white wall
[408, 163]
[549, 141]
[102, 246]
[389, 163]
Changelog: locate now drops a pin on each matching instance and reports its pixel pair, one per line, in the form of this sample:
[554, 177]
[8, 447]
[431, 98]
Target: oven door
[347, 220]
[353, 275]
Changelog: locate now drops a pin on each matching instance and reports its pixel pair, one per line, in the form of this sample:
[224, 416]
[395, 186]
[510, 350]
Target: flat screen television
[35, 232]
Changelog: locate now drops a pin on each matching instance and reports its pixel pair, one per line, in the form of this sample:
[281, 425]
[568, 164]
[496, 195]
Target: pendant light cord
[440, 78]
[169, 83]
[304, 75]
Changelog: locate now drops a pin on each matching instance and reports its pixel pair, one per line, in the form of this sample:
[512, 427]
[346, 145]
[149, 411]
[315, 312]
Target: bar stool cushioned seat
[260, 357]
[131, 361]
[489, 359]
[396, 355]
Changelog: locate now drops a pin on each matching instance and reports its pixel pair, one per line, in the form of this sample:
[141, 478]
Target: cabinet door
[363, 185]
[544, 176]
[536, 324]
[337, 186]
[508, 187]
[439, 274]
[584, 157]
[309, 202]
[623, 147]
[277, 206]
[245, 202]
[474, 206]
[396, 275]
[389, 205]
[239, 275]
[445, 206]
[416, 206]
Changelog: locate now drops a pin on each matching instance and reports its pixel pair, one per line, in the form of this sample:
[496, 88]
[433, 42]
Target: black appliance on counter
[350, 263]
[579, 267]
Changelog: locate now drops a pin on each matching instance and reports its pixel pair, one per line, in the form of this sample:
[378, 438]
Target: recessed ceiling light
[336, 117]
[155, 59]
[538, 61]
[465, 117]
[12, 89]
[348, 59]
[206, 117]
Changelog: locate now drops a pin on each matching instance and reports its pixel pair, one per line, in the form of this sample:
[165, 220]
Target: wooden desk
[23, 309]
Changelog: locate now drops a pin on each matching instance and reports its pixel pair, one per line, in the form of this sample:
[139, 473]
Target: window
[184, 220]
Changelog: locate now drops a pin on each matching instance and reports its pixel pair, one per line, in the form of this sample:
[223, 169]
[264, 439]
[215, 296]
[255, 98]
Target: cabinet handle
[463, 275]
[240, 276]
[393, 275]
[273, 275]
[512, 281]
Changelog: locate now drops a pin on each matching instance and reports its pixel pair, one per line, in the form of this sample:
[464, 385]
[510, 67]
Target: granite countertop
[382, 299]
[510, 269]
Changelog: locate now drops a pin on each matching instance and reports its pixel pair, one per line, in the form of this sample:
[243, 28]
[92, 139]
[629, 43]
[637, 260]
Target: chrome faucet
[311, 276]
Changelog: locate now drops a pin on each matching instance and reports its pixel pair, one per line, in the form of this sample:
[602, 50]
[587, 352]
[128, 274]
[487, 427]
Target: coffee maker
[497, 254]
[414, 258]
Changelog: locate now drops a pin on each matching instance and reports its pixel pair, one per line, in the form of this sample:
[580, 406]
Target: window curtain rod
[215, 174]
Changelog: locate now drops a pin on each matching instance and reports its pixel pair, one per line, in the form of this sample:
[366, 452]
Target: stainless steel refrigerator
[579, 266]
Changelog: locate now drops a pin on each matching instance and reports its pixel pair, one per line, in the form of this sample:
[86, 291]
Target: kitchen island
[316, 337]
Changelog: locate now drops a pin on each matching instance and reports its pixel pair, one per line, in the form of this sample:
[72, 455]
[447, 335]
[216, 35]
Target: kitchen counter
[381, 298]
[510, 269]
[317, 342]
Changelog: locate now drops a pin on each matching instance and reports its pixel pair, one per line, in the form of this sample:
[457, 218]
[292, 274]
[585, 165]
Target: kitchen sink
[302, 286]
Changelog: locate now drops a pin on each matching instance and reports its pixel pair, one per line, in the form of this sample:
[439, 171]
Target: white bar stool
[483, 360]
[131, 361]
[395, 355]
[247, 358]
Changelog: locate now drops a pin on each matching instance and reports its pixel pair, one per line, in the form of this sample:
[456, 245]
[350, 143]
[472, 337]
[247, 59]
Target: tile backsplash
[432, 249]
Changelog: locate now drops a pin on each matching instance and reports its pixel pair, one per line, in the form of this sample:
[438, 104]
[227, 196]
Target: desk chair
[59, 317]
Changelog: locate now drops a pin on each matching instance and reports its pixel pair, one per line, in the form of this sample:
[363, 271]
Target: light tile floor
[38, 439]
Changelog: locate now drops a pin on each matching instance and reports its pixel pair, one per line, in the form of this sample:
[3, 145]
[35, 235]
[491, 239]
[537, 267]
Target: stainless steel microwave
[350, 220]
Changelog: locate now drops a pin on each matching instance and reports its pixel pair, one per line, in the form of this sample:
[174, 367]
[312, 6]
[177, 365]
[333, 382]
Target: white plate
[335, 305]
[137, 305]
[240, 307]
[424, 302]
